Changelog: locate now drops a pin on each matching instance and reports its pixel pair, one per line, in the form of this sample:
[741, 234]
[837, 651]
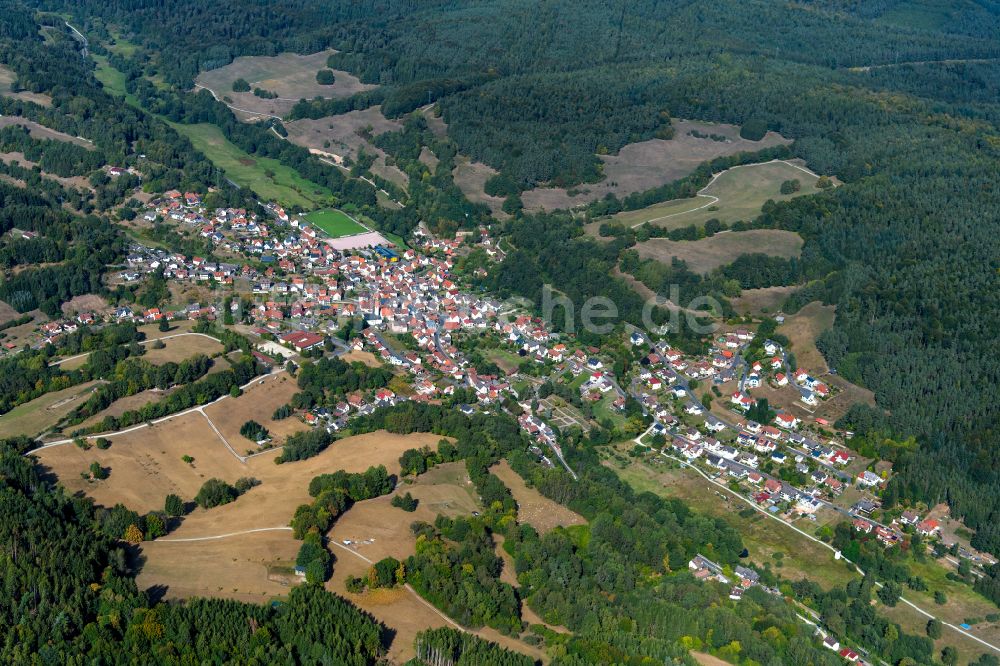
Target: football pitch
[334, 223]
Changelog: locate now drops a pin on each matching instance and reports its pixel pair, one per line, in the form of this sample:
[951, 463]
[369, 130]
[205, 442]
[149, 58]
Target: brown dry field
[471, 177]
[18, 158]
[913, 622]
[533, 508]
[428, 158]
[34, 417]
[177, 349]
[258, 402]
[236, 567]
[84, 303]
[122, 405]
[802, 329]
[378, 530]
[706, 659]
[7, 312]
[290, 75]
[146, 464]
[7, 77]
[398, 609]
[341, 131]
[767, 300]
[707, 254]
[647, 164]
[284, 487]
[367, 358]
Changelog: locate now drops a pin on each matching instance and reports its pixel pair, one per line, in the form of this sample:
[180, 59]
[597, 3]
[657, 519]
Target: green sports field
[334, 223]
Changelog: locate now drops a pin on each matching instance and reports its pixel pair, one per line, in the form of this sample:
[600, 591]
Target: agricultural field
[37, 416]
[648, 164]
[335, 223]
[707, 254]
[532, 507]
[269, 178]
[291, 76]
[176, 349]
[735, 194]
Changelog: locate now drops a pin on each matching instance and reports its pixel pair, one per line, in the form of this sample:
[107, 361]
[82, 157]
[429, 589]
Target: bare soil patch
[707, 254]
[534, 508]
[647, 164]
[290, 75]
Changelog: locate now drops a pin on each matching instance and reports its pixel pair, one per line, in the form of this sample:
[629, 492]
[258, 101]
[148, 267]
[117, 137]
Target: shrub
[325, 77]
[241, 85]
[215, 492]
[405, 502]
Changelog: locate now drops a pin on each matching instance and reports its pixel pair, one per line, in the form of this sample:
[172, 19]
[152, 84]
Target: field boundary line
[407, 586]
[141, 342]
[162, 419]
[715, 176]
[236, 108]
[224, 536]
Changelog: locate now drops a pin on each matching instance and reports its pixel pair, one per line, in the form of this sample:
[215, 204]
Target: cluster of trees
[254, 431]
[326, 381]
[305, 444]
[456, 568]
[209, 388]
[216, 492]
[62, 158]
[134, 375]
[447, 645]
[407, 502]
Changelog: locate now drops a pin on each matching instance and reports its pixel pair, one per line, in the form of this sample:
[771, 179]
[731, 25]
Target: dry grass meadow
[707, 254]
[648, 164]
[533, 508]
[35, 417]
[290, 75]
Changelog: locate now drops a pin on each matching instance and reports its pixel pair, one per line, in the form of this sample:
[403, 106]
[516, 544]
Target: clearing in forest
[735, 194]
[532, 507]
[707, 254]
[648, 164]
[288, 75]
